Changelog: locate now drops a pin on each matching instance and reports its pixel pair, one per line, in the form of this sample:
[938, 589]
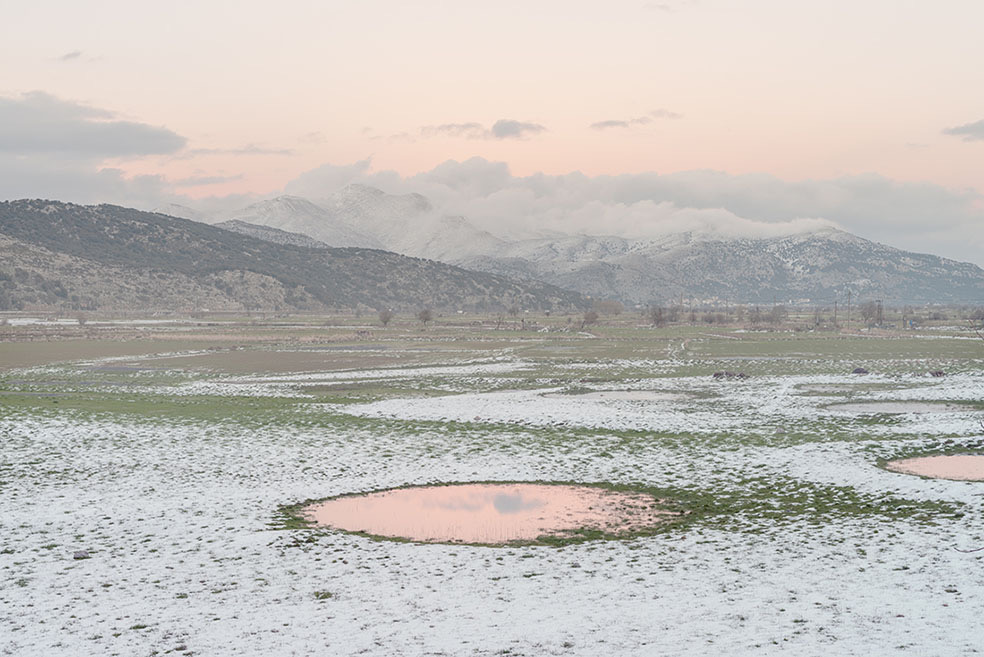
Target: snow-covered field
[179, 518]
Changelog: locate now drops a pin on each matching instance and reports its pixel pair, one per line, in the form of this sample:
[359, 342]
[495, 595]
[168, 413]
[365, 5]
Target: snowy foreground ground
[179, 517]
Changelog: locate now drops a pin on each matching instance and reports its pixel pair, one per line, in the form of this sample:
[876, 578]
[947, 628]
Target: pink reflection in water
[968, 467]
[487, 513]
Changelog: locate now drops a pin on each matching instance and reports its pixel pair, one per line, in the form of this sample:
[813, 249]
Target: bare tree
[978, 316]
[386, 316]
[656, 315]
[869, 311]
[425, 316]
[778, 315]
[513, 311]
[589, 318]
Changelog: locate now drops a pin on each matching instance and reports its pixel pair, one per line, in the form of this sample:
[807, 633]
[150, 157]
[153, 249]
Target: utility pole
[848, 309]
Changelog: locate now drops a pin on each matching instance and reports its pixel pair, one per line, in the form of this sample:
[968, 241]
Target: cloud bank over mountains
[70, 151]
[521, 207]
[914, 216]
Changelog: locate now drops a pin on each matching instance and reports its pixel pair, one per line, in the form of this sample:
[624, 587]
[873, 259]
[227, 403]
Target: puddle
[489, 513]
[899, 407]
[623, 395]
[966, 467]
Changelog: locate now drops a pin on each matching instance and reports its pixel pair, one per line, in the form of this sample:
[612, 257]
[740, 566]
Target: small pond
[967, 467]
[496, 513]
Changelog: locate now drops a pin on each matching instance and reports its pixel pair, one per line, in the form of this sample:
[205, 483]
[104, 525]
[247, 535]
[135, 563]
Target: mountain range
[815, 267]
[62, 255]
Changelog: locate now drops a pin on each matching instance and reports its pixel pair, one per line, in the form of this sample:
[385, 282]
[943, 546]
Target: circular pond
[491, 513]
[964, 467]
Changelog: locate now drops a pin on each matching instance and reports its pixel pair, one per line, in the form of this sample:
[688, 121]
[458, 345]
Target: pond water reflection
[966, 467]
[488, 513]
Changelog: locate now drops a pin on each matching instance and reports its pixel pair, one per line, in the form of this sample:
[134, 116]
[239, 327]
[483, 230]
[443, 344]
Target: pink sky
[798, 90]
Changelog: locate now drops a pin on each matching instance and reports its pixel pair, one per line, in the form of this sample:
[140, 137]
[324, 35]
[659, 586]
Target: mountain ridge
[88, 257]
[810, 267]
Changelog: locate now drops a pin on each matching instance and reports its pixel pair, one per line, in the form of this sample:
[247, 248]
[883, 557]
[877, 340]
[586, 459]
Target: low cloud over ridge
[61, 149]
[919, 217]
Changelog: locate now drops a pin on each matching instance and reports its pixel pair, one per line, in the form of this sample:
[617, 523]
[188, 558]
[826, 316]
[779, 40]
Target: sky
[768, 114]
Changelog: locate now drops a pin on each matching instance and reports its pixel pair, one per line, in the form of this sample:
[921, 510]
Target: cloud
[399, 137]
[69, 56]
[501, 129]
[969, 131]
[59, 149]
[465, 130]
[614, 123]
[665, 114]
[473, 178]
[512, 129]
[639, 120]
[327, 178]
[248, 149]
[312, 138]
[79, 182]
[200, 181]
[37, 122]
[918, 217]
